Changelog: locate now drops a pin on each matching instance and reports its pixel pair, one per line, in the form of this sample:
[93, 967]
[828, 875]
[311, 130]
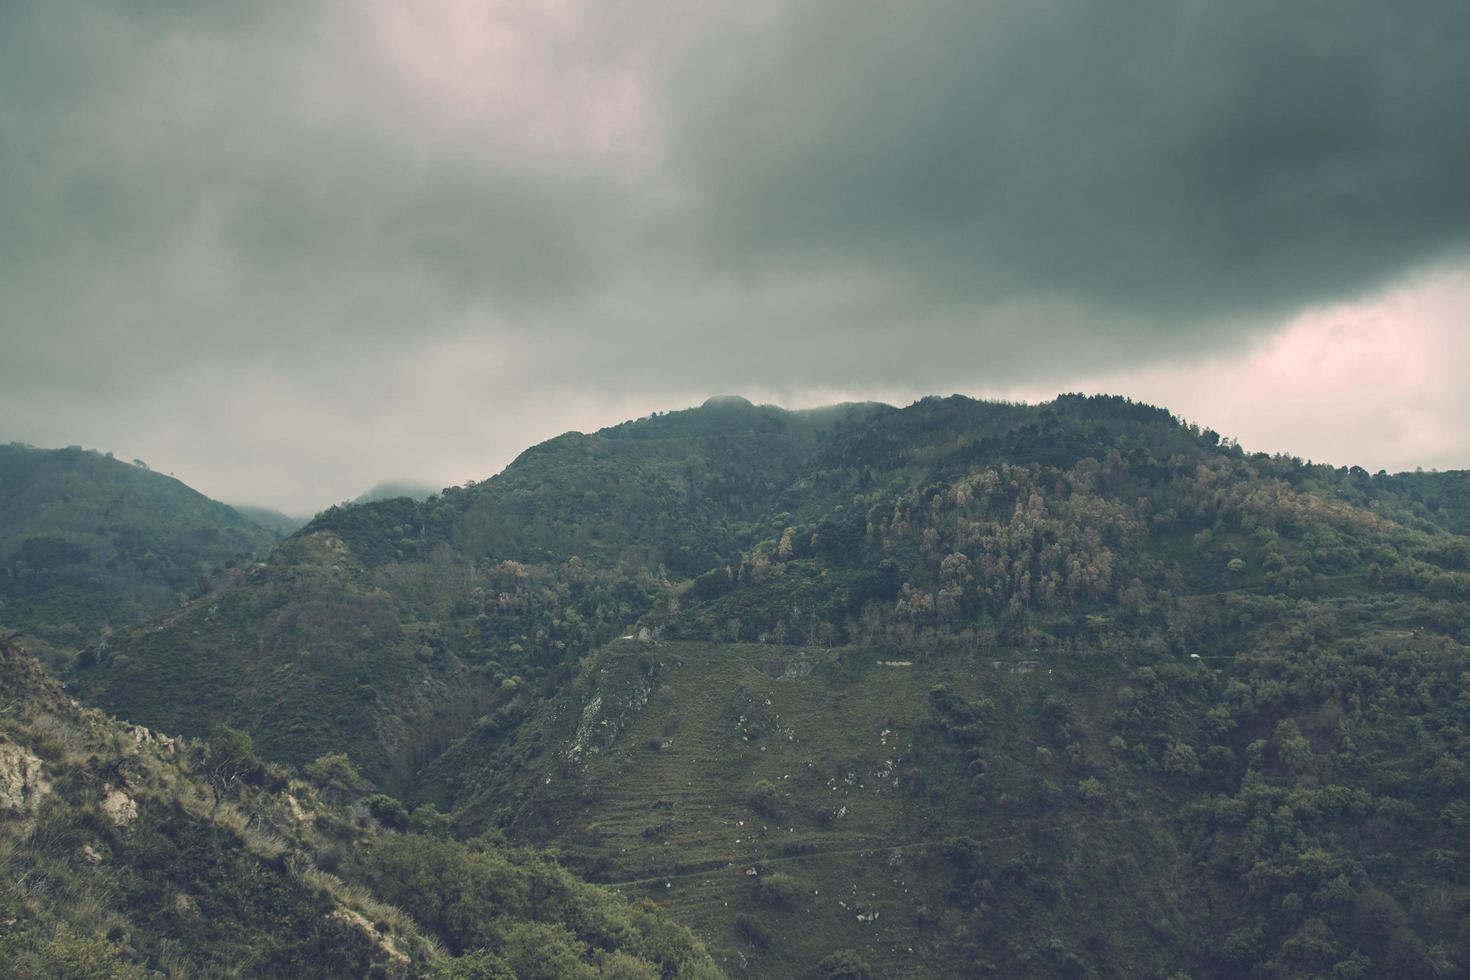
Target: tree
[1092, 790]
[1180, 760]
[229, 760]
[1292, 747]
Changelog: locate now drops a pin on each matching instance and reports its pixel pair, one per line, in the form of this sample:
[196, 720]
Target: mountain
[128, 853]
[272, 520]
[89, 543]
[386, 629]
[962, 688]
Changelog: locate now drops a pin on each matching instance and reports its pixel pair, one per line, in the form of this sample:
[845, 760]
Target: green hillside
[788, 804]
[965, 688]
[128, 854]
[89, 543]
[385, 630]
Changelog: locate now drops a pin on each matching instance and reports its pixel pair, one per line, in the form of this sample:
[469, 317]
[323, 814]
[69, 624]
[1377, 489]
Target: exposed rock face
[143, 736]
[21, 780]
[294, 806]
[120, 807]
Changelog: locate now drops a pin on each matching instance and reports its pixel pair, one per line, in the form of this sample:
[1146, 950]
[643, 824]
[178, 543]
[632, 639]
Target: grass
[663, 808]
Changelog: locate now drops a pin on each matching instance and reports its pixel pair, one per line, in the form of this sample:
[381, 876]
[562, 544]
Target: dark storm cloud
[302, 247]
[1159, 158]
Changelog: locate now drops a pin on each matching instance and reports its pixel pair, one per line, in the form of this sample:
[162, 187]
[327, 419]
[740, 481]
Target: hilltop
[89, 543]
[389, 489]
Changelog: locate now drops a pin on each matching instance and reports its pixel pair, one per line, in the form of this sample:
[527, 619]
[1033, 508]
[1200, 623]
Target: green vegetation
[89, 544]
[387, 630]
[960, 689]
[125, 854]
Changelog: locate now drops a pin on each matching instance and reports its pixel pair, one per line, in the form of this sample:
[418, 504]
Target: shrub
[844, 965]
[387, 811]
[546, 951]
[750, 928]
[427, 819]
[763, 799]
[778, 889]
[480, 965]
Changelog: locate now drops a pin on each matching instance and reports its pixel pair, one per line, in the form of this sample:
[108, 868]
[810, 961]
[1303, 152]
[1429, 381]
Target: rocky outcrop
[120, 807]
[22, 782]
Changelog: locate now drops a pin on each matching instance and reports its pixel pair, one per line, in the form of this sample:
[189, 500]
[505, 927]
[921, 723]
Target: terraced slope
[697, 775]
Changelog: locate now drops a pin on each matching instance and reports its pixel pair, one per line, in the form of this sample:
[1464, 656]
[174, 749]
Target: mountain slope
[125, 851]
[88, 542]
[1168, 722]
[386, 629]
[789, 803]
[1143, 702]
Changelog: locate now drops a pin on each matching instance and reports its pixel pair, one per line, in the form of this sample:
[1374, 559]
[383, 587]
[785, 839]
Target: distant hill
[88, 542]
[964, 688]
[126, 853]
[395, 488]
[271, 520]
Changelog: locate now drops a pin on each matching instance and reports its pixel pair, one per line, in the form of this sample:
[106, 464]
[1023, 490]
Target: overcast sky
[288, 250]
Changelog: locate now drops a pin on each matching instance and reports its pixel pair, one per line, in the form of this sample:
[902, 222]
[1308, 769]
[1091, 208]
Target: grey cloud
[281, 175]
[1162, 158]
[245, 239]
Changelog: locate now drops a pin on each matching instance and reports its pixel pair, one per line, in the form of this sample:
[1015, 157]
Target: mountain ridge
[622, 645]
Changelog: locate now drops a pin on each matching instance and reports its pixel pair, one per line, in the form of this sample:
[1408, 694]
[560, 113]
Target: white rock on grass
[119, 807]
[21, 782]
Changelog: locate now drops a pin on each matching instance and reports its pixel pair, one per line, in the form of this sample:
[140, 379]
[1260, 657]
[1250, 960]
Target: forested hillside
[89, 543]
[962, 688]
[387, 629]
